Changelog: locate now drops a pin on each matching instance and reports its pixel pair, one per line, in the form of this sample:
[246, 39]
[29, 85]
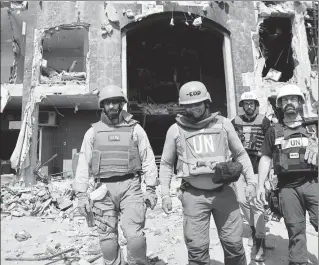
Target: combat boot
[252, 238]
[260, 250]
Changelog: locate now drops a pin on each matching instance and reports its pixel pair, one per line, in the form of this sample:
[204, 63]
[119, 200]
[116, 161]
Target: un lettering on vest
[114, 138]
[291, 143]
[203, 144]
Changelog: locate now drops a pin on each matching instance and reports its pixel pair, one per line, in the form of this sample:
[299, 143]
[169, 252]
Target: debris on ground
[22, 236]
[63, 237]
[39, 200]
[52, 76]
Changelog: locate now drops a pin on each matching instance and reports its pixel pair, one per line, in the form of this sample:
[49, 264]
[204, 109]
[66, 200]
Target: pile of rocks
[38, 200]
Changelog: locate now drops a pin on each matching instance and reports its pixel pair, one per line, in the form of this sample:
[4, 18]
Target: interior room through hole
[275, 43]
[64, 51]
[160, 59]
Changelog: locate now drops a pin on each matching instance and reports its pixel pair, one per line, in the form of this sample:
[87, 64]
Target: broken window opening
[275, 44]
[311, 24]
[64, 52]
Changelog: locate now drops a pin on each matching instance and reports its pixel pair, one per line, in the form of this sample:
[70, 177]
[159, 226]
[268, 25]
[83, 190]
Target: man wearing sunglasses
[116, 150]
[251, 128]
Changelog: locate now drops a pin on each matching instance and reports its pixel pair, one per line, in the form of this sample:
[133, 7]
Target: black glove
[227, 172]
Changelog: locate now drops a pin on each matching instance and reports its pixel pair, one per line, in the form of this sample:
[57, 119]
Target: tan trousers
[125, 198]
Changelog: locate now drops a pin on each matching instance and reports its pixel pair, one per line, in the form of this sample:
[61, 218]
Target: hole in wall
[275, 44]
[64, 54]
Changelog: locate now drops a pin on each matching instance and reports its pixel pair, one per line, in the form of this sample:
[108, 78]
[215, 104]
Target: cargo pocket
[105, 217]
[133, 220]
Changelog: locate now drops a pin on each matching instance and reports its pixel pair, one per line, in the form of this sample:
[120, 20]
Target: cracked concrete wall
[104, 58]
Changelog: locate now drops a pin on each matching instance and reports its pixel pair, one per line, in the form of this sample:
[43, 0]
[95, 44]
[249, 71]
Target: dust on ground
[164, 233]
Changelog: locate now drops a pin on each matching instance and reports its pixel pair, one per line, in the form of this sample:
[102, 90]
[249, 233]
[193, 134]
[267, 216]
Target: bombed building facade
[57, 55]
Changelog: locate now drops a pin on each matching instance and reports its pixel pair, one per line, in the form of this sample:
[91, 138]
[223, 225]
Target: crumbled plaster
[283, 9]
[147, 8]
[16, 49]
[17, 5]
[111, 12]
[193, 3]
[313, 93]
[5, 97]
[77, 25]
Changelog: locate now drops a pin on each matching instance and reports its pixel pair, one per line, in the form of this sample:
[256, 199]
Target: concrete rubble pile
[50, 75]
[156, 109]
[51, 200]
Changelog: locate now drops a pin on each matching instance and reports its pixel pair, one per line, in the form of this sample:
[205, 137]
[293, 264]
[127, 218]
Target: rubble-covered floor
[55, 232]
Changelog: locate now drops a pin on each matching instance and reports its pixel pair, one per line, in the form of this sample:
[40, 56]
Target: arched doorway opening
[158, 58]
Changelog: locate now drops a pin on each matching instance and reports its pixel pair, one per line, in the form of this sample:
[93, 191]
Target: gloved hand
[150, 197]
[167, 204]
[311, 154]
[250, 192]
[83, 203]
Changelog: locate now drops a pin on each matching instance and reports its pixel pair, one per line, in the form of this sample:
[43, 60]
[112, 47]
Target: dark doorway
[275, 43]
[9, 139]
[160, 59]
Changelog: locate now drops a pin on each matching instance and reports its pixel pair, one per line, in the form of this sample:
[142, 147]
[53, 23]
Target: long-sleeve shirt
[172, 148]
[149, 168]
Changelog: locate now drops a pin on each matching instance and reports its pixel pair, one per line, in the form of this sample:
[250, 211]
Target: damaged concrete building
[57, 55]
